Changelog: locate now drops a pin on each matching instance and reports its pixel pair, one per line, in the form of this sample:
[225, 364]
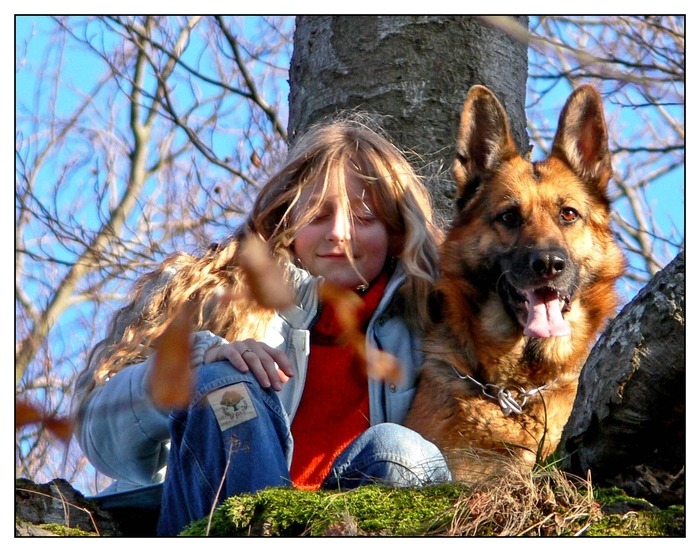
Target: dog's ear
[484, 141]
[582, 138]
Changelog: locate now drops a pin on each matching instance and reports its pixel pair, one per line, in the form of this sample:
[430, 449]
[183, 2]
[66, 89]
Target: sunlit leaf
[28, 414]
[62, 428]
[171, 380]
[384, 366]
[266, 278]
[346, 304]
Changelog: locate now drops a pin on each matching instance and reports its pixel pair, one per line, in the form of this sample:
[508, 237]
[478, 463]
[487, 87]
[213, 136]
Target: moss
[371, 509]
[612, 499]
[377, 510]
[660, 523]
[629, 516]
[63, 531]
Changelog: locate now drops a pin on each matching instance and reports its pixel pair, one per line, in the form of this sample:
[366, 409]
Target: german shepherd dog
[528, 272]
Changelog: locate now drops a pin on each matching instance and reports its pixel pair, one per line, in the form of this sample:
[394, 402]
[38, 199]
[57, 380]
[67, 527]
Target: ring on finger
[247, 351]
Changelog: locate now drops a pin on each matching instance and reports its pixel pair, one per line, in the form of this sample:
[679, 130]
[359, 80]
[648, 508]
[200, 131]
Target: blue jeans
[235, 438]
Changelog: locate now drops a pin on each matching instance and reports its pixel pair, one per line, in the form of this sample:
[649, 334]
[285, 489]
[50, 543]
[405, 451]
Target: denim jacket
[126, 437]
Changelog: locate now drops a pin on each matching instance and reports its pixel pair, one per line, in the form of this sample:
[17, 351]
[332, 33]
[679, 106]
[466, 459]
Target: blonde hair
[325, 152]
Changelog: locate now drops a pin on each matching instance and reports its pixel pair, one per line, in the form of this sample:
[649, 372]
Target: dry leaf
[62, 428]
[347, 305]
[219, 302]
[380, 364]
[171, 380]
[266, 279]
[384, 366]
[27, 414]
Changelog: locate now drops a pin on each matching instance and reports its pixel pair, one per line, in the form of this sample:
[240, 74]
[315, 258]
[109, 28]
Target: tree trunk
[628, 421]
[413, 72]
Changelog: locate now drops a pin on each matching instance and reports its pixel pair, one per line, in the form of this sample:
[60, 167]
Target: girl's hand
[270, 366]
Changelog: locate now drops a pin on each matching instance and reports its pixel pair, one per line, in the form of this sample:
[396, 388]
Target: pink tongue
[544, 317]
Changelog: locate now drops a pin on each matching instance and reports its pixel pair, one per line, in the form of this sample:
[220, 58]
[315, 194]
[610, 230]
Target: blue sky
[668, 200]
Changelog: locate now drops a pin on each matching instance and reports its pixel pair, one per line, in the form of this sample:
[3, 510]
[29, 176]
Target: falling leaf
[221, 300]
[384, 366]
[346, 304]
[171, 380]
[266, 278]
[27, 414]
[62, 428]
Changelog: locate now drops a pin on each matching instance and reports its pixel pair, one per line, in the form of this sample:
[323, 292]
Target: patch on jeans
[232, 405]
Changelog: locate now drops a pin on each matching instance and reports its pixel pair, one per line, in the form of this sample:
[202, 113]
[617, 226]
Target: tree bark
[413, 73]
[628, 421]
[57, 503]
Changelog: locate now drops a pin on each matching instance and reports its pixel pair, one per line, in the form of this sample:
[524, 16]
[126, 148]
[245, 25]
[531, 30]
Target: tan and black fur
[528, 272]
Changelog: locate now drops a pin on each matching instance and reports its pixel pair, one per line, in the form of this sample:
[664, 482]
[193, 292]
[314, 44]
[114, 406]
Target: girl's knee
[235, 398]
[390, 454]
[222, 373]
[402, 441]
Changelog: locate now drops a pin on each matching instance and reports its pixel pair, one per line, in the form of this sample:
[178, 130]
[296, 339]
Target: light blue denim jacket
[126, 437]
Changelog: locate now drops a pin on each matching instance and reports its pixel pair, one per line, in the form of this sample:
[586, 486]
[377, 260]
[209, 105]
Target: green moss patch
[545, 504]
[371, 509]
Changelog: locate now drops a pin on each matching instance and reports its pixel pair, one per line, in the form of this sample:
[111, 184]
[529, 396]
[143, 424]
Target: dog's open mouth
[541, 311]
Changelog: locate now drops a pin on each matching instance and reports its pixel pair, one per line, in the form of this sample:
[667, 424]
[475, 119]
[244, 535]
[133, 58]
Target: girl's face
[324, 243]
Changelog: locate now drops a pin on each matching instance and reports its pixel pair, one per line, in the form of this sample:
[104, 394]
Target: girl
[281, 398]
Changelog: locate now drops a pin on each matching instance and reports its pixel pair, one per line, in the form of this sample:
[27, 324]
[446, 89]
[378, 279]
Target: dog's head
[537, 235]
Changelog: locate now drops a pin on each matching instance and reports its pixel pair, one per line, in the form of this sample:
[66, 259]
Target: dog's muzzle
[538, 288]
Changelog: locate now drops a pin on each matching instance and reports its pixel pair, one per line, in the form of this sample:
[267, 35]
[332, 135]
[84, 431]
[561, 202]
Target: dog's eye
[510, 218]
[569, 215]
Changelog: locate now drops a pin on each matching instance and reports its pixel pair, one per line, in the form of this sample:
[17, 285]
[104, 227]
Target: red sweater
[334, 408]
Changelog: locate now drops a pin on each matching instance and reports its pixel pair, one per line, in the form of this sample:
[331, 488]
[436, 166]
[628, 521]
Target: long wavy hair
[326, 151]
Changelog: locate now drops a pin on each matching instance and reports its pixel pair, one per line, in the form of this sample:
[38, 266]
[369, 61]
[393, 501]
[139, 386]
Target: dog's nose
[548, 264]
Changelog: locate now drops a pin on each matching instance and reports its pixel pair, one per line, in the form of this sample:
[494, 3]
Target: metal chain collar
[508, 403]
